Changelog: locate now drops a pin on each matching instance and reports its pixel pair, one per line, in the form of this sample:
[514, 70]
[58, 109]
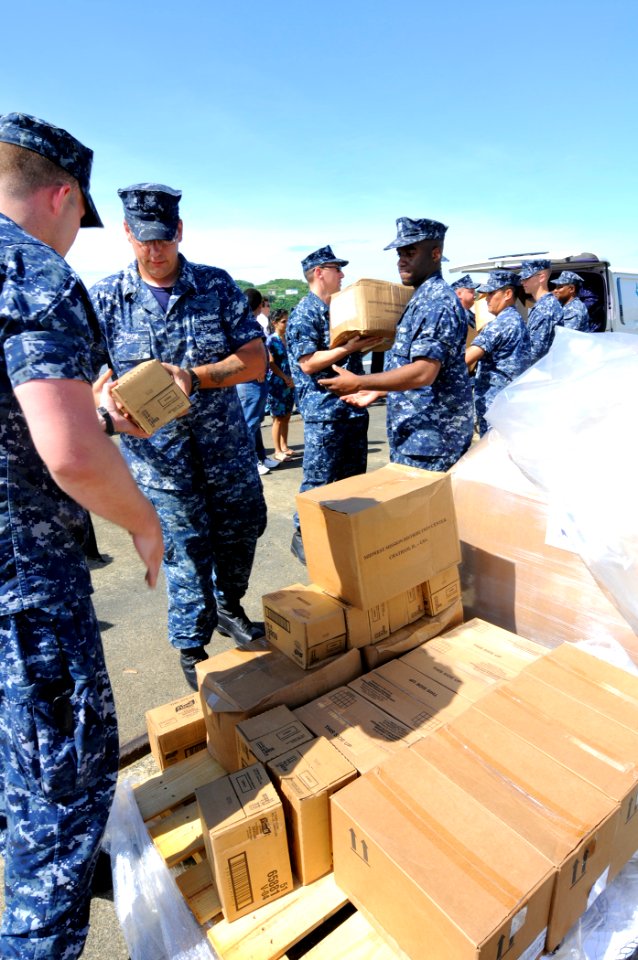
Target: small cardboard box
[245, 838]
[360, 731]
[441, 702]
[411, 636]
[306, 778]
[605, 754]
[370, 537]
[265, 737]
[392, 699]
[450, 673]
[442, 590]
[405, 608]
[442, 876]
[150, 395]
[570, 821]
[176, 730]
[305, 624]
[238, 684]
[368, 308]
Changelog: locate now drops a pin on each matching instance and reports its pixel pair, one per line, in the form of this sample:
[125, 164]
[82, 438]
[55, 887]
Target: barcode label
[240, 880]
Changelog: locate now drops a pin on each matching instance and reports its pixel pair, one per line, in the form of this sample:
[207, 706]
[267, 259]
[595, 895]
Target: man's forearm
[247, 363]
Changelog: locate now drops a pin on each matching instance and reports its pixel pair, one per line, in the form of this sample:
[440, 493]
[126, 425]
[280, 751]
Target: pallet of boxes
[469, 791]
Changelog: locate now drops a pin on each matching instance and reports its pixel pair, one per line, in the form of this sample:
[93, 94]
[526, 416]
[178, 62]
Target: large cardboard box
[306, 778]
[245, 837]
[412, 635]
[267, 736]
[570, 821]
[370, 537]
[452, 675]
[441, 702]
[150, 395]
[306, 624]
[369, 308]
[238, 684]
[176, 730]
[441, 875]
[363, 733]
[517, 571]
[605, 754]
[441, 590]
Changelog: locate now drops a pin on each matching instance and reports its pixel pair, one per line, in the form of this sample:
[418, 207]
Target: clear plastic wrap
[156, 922]
[569, 424]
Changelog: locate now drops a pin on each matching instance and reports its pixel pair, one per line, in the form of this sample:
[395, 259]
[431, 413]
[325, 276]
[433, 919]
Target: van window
[627, 293]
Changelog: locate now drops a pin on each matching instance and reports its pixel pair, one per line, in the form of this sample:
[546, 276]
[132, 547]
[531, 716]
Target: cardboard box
[305, 624]
[516, 571]
[360, 731]
[372, 536]
[488, 653]
[176, 730]
[267, 736]
[451, 674]
[399, 703]
[238, 684]
[440, 874]
[570, 821]
[411, 636]
[441, 590]
[150, 395]
[306, 778]
[605, 754]
[369, 308]
[405, 608]
[245, 837]
[615, 679]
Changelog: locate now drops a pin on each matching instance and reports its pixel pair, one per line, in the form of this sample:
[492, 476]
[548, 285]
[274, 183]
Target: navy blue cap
[58, 146]
[465, 281]
[151, 210]
[321, 257]
[530, 267]
[412, 231]
[499, 279]
[568, 276]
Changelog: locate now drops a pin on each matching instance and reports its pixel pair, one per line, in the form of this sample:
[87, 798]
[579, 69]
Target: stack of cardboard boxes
[490, 783]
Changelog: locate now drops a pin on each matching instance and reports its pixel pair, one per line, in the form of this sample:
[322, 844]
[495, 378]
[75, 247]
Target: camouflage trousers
[210, 538]
[59, 755]
[333, 450]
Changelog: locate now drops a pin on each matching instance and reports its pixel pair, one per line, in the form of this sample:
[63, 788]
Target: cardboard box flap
[228, 800]
[312, 768]
[253, 681]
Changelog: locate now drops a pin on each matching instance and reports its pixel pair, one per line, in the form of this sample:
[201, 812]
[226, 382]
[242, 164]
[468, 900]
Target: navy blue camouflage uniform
[542, 320]
[431, 426]
[335, 433]
[576, 316]
[199, 471]
[505, 340]
[58, 745]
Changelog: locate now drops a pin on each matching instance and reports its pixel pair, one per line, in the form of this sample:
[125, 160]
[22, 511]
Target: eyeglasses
[162, 244]
[331, 266]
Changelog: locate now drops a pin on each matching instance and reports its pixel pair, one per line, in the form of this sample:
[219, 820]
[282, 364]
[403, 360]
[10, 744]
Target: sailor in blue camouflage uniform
[575, 313]
[335, 434]
[501, 349]
[465, 288]
[429, 406]
[547, 313]
[59, 751]
[200, 471]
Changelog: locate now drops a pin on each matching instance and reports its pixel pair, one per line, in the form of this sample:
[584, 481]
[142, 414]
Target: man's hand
[122, 421]
[364, 398]
[345, 381]
[181, 377]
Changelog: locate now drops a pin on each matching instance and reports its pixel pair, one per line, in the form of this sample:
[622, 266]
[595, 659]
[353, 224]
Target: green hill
[282, 294]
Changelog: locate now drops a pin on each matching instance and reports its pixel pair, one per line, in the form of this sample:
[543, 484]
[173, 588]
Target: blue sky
[290, 125]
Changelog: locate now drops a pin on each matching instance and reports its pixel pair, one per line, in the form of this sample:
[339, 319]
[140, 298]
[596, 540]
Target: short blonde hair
[23, 171]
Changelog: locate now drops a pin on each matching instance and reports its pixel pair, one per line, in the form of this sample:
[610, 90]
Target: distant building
[292, 292]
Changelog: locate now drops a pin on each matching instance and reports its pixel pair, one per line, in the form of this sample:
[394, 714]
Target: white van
[611, 297]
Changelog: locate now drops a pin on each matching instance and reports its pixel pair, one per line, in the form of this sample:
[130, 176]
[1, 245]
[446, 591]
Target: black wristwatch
[196, 383]
[108, 421]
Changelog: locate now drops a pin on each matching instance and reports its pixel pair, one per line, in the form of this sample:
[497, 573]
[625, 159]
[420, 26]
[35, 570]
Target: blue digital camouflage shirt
[433, 422]
[49, 332]
[576, 316]
[505, 340]
[208, 318]
[545, 315]
[308, 330]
